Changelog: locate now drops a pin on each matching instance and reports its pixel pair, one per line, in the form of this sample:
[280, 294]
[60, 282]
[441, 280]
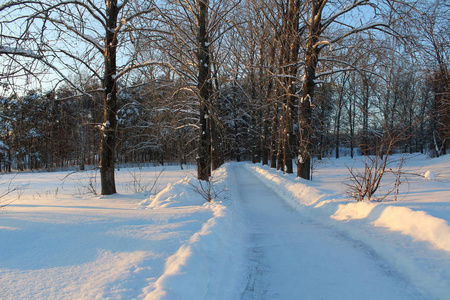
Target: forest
[277, 82]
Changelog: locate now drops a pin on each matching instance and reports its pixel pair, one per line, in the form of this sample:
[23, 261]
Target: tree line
[276, 82]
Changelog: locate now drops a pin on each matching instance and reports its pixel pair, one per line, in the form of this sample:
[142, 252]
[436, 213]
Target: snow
[19, 51]
[174, 196]
[292, 255]
[412, 234]
[105, 126]
[267, 236]
[428, 175]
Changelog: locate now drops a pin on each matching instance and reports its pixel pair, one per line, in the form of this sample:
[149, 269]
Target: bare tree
[196, 29]
[100, 29]
[433, 40]
[317, 26]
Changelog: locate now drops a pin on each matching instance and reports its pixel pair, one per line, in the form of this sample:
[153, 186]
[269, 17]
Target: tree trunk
[351, 121]
[255, 121]
[305, 121]
[280, 156]
[216, 145]
[265, 133]
[108, 142]
[204, 87]
[338, 121]
[289, 61]
[265, 140]
[308, 87]
[365, 148]
[274, 136]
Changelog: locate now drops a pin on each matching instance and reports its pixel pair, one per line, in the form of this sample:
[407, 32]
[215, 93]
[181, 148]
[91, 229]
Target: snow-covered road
[290, 257]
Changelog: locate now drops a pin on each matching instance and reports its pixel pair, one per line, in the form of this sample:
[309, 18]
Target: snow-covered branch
[11, 4]
[87, 64]
[138, 14]
[187, 125]
[20, 52]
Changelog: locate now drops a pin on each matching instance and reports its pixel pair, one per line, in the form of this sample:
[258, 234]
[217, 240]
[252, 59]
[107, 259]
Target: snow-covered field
[267, 236]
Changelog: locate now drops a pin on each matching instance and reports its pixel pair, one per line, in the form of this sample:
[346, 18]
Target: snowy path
[290, 257]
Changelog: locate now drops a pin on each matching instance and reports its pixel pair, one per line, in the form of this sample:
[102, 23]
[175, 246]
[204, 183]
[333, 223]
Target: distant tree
[433, 39]
[6, 123]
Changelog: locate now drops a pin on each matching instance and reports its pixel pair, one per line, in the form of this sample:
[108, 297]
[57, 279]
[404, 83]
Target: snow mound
[189, 273]
[429, 175]
[210, 259]
[353, 211]
[417, 224]
[175, 195]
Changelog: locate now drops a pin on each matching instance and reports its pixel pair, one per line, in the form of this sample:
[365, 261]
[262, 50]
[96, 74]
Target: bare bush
[141, 183]
[208, 189]
[7, 189]
[89, 186]
[364, 184]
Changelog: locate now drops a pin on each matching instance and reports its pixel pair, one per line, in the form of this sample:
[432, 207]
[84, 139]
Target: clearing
[267, 236]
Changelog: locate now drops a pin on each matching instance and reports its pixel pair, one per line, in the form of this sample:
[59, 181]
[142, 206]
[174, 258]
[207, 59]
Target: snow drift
[211, 258]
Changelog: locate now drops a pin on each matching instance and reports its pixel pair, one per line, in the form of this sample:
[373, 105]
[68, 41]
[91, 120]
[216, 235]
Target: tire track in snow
[255, 287]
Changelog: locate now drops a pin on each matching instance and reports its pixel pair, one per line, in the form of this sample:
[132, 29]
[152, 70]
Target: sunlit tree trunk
[308, 87]
[290, 42]
[108, 142]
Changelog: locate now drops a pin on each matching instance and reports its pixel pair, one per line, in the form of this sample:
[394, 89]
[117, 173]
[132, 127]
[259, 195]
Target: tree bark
[108, 142]
[338, 120]
[216, 145]
[274, 136]
[266, 127]
[308, 87]
[365, 148]
[204, 87]
[289, 62]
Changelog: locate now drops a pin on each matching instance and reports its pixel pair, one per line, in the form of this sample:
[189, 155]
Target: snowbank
[211, 259]
[368, 222]
[206, 260]
[417, 224]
